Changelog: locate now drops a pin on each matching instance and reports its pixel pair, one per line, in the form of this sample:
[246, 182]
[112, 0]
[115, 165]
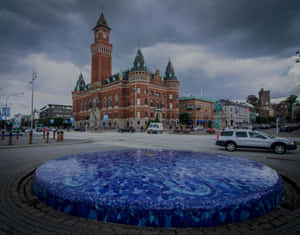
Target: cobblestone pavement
[22, 213]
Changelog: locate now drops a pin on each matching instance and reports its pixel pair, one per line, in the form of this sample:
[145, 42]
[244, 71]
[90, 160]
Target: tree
[185, 118]
[291, 100]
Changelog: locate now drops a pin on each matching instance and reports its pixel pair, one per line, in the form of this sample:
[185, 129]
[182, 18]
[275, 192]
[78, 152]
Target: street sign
[71, 120]
[105, 117]
[51, 121]
[5, 112]
[278, 119]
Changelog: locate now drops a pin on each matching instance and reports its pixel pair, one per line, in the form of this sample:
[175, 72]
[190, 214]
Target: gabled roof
[101, 22]
[139, 62]
[170, 73]
[80, 84]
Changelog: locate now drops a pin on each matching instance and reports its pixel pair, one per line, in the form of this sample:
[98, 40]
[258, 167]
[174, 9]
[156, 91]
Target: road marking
[284, 159]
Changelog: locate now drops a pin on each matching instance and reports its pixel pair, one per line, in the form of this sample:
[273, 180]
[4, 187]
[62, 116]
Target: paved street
[15, 161]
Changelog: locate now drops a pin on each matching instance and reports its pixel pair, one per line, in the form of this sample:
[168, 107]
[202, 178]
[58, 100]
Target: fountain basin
[164, 188]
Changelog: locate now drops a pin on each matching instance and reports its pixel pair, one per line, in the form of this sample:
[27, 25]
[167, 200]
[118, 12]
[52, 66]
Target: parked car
[52, 129]
[211, 131]
[233, 139]
[27, 130]
[127, 129]
[198, 128]
[39, 129]
[186, 130]
[155, 127]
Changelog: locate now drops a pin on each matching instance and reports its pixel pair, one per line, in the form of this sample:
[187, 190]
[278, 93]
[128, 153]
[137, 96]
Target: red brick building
[200, 109]
[129, 98]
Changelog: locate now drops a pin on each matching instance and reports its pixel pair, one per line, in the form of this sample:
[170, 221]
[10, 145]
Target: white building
[236, 114]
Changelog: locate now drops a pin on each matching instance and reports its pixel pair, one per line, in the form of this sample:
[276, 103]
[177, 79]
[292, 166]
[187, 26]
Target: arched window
[81, 106]
[109, 101]
[104, 102]
[90, 103]
[95, 102]
[116, 99]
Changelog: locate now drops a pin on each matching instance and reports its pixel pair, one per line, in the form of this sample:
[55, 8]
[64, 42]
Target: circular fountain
[159, 188]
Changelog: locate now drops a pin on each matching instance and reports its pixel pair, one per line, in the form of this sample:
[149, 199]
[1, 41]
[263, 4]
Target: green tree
[185, 118]
[291, 100]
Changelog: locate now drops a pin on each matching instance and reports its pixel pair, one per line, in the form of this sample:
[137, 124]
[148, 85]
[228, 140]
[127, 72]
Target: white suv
[238, 138]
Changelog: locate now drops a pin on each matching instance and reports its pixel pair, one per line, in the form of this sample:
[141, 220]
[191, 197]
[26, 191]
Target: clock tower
[101, 53]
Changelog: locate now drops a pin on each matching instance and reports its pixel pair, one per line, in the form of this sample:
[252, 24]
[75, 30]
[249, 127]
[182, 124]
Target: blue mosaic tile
[159, 188]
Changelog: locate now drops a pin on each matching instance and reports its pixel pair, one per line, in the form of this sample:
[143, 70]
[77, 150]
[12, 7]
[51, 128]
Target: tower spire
[102, 22]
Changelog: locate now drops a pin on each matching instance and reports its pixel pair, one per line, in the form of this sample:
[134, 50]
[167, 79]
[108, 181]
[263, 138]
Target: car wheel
[230, 147]
[279, 149]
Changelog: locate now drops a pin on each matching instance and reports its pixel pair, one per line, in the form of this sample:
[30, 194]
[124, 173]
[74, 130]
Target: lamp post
[34, 76]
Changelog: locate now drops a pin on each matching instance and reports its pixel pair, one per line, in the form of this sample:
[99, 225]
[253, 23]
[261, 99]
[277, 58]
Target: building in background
[128, 98]
[264, 103]
[236, 114]
[281, 110]
[201, 110]
[55, 111]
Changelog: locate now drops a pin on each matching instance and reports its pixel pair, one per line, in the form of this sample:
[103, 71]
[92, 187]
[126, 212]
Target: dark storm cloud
[63, 29]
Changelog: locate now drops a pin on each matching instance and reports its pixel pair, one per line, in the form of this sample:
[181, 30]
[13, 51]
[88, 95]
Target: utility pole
[34, 76]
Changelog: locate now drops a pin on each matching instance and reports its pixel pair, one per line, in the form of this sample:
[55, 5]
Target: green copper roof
[195, 98]
[139, 62]
[80, 84]
[170, 73]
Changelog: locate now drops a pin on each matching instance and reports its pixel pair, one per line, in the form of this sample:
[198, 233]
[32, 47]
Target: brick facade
[129, 98]
[200, 109]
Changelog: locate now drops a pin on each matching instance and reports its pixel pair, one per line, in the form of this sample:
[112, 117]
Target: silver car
[239, 138]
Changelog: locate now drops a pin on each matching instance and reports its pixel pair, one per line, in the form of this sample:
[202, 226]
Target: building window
[171, 105]
[170, 96]
[95, 102]
[138, 101]
[109, 101]
[146, 114]
[116, 115]
[116, 99]
[146, 101]
[152, 115]
[90, 103]
[138, 114]
[138, 90]
[146, 91]
[104, 102]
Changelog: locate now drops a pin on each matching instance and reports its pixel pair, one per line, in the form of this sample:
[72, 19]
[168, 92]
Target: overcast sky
[219, 49]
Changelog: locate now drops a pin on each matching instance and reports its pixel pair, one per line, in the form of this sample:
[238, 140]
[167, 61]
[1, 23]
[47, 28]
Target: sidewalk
[37, 141]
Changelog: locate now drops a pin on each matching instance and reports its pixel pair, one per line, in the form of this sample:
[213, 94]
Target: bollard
[17, 135]
[43, 133]
[10, 138]
[47, 137]
[54, 134]
[62, 136]
[58, 136]
[30, 137]
[3, 135]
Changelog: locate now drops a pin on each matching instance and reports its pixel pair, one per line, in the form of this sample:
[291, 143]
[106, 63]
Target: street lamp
[34, 76]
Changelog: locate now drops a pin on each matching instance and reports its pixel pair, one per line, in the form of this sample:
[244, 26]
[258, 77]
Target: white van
[155, 127]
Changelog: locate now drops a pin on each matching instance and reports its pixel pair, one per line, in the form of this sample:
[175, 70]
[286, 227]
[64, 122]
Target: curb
[45, 145]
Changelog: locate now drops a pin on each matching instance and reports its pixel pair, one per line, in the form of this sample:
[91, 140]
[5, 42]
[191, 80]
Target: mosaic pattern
[159, 188]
